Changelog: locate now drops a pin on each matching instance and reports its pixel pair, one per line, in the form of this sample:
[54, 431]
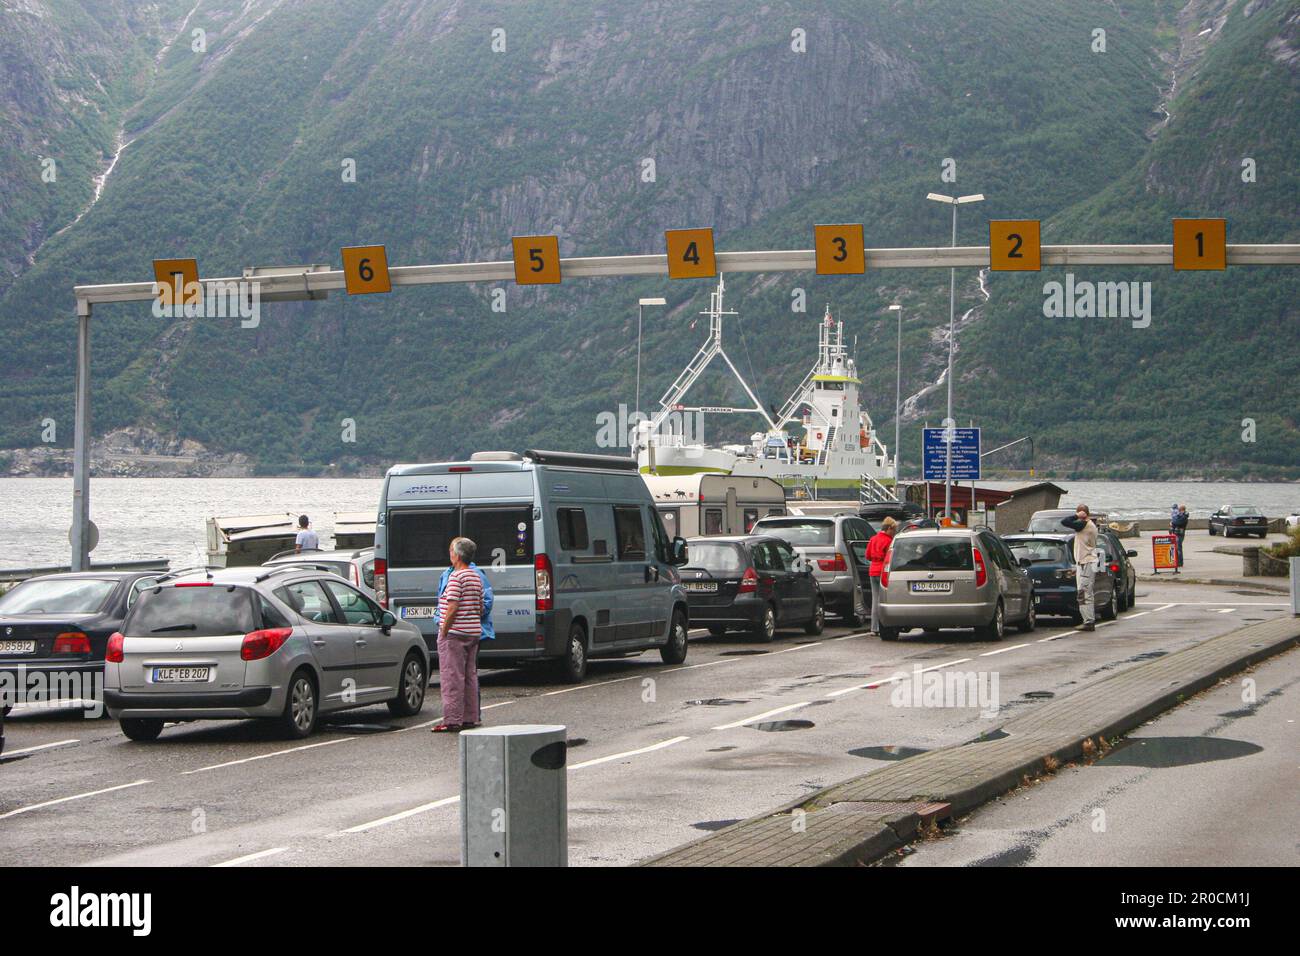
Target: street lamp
[641, 304]
[898, 395]
[953, 201]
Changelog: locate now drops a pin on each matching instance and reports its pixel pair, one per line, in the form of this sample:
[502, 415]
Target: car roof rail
[281, 554]
[285, 568]
[207, 569]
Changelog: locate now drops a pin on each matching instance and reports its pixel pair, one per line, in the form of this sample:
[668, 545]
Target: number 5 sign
[537, 260]
[365, 269]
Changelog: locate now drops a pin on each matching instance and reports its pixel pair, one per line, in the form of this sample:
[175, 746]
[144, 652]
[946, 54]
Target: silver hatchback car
[829, 544]
[283, 643]
[939, 578]
[354, 564]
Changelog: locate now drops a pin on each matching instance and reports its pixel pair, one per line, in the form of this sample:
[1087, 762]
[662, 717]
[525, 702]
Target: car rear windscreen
[195, 611]
[718, 559]
[1041, 550]
[922, 552]
[66, 596]
[1048, 524]
[799, 531]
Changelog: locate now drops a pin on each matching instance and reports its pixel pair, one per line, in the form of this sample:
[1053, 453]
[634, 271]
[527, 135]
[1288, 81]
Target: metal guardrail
[14, 575]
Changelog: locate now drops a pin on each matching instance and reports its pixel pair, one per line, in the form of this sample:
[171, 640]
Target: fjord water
[165, 517]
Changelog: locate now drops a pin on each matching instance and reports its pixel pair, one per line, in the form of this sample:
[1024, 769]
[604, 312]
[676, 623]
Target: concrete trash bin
[514, 796]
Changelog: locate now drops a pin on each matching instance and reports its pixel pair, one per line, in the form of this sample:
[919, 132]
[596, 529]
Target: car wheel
[765, 629]
[889, 633]
[300, 707]
[994, 629]
[1031, 619]
[1111, 609]
[674, 652]
[141, 728]
[573, 665]
[818, 622]
[412, 683]
[1212, 531]
[717, 630]
[4, 711]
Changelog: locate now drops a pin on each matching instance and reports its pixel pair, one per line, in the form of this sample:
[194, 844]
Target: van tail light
[113, 653]
[381, 582]
[72, 642]
[263, 643]
[545, 583]
[981, 573]
[836, 563]
[884, 567]
[748, 582]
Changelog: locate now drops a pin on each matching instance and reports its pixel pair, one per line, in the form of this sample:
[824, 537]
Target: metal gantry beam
[582, 267]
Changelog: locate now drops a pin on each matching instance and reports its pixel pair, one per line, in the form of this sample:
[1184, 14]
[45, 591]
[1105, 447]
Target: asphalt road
[658, 755]
[1211, 783]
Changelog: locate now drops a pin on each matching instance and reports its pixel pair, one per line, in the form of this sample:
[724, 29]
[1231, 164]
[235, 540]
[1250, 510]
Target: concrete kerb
[954, 780]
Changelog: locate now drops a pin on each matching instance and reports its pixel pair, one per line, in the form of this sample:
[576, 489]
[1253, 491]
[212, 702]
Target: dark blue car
[1051, 567]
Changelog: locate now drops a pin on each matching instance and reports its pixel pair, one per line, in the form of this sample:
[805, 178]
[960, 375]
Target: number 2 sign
[1015, 245]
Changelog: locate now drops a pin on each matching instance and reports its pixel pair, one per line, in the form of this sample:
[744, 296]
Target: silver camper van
[579, 562]
[714, 503]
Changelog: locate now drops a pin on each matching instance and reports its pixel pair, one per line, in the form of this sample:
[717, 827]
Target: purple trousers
[458, 678]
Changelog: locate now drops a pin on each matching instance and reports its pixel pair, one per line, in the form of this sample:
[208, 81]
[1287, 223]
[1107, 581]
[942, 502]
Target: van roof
[511, 461]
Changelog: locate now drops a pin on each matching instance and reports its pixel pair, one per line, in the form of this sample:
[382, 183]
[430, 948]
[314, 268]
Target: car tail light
[836, 563]
[1114, 568]
[263, 643]
[748, 582]
[381, 582]
[72, 642]
[544, 581]
[981, 573]
[113, 653]
[884, 567]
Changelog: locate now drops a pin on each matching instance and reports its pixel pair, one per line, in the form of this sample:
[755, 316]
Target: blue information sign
[965, 454]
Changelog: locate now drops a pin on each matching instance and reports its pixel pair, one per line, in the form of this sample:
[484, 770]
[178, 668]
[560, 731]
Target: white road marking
[1225, 610]
[629, 753]
[32, 750]
[763, 716]
[1164, 608]
[1138, 614]
[251, 857]
[569, 690]
[78, 796]
[687, 667]
[796, 647]
[1056, 637]
[423, 808]
[275, 753]
[872, 685]
[1003, 650]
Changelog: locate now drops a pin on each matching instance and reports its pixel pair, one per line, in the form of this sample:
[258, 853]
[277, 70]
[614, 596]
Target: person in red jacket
[877, 547]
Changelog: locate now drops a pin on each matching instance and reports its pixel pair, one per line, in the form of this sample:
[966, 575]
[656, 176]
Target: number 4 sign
[690, 253]
[365, 269]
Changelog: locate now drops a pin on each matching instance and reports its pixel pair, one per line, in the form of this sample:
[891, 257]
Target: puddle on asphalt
[1016, 856]
[991, 735]
[779, 726]
[1255, 593]
[1038, 694]
[718, 750]
[715, 702]
[711, 825]
[575, 742]
[745, 653]
[890, 752]
[363, 728]
[1160, 752]
[1148, 656]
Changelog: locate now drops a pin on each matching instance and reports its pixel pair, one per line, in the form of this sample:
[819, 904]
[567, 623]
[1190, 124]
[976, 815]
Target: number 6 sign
[365, 270]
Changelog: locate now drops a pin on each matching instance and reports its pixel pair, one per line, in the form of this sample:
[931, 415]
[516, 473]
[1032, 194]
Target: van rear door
[417, 543]
[503, 534]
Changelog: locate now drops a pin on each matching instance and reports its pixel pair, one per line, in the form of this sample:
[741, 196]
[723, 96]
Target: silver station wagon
[939, 578]
[284, 643]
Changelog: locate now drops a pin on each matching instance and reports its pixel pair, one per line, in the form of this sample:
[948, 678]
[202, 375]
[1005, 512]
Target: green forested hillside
[236, 156]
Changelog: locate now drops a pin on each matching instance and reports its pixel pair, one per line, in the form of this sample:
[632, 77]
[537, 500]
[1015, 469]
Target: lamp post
[898, 396]
[640, 306]
[949, 423]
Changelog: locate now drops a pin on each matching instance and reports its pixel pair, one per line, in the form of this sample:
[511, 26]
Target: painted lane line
[630, 753]
[763, 716]
[1138, 614]
[1003, 650]
[1222, 610]
[687, 667]
[405, 814]
[797, 647]
[239, 860]
[274, 753]
[872, 685]
[78, 796]
[1217, 604]
[1056, 637]
[569, 690]
[32, 750]
[1164, 608]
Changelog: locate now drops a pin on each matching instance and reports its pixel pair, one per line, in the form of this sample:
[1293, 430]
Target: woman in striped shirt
[459, 629]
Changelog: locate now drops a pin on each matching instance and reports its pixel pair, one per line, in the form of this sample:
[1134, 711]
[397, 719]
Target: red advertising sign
[1164, 552]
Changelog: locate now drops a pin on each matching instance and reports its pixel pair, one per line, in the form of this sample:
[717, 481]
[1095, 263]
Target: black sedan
[755, 583]
[54, 630]
[1238, 519]
[1052, 569]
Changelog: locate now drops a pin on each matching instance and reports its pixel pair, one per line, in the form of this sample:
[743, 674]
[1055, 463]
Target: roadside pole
[513, 796]
[81, 445]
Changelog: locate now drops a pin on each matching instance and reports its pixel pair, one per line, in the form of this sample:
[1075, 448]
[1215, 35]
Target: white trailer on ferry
[712, 503]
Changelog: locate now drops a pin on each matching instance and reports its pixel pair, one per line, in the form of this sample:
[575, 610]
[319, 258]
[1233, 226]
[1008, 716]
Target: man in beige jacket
[1085, 562]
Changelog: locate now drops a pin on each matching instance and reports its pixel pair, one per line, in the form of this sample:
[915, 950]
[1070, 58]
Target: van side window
[503, 536]
[630, 531]
[751, 515]
[573, 529]
[663, 546]
[713, 521]
[420, 539]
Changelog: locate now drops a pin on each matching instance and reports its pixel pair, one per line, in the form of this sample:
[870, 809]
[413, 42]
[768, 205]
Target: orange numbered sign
[840, 249]
[537, 260]
[175, 278]
[365, 270]
[1015, 245]
[690, 254]
[1200, 244]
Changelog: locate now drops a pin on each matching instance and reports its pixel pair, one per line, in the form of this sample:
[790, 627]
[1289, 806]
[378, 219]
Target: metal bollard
[514, 796]
[1295, 586]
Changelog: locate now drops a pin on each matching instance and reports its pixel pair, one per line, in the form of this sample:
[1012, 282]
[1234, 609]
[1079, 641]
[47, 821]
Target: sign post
[1164, 553]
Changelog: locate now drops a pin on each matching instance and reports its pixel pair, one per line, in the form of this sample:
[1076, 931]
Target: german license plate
[180, 675]
[936, 587]
[413, 612]
[701, 585]
[17, 647]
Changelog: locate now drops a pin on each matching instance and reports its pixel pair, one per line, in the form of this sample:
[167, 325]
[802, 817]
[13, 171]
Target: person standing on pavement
[306, 539]
[489, 633]
[1178, 526]
[1085, 562]
[877, 548]
[460, 627]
